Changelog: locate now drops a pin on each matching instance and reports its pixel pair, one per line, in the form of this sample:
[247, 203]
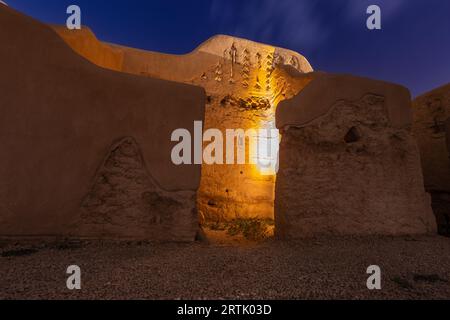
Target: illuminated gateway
[244, 82]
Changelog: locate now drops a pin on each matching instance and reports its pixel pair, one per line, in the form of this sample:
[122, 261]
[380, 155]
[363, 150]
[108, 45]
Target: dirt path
[416, 268]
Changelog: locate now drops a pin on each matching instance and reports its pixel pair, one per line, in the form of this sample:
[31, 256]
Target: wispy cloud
[292, 22]
[295, 23]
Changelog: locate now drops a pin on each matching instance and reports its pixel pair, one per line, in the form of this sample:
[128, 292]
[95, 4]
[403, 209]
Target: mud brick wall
[87, 150]
[349, 164]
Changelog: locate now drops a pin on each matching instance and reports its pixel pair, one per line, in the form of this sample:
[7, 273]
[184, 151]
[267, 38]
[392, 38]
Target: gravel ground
[325, 268]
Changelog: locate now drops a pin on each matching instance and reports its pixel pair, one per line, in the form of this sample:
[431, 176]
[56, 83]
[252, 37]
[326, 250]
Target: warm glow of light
[268, 141]
[264, 83]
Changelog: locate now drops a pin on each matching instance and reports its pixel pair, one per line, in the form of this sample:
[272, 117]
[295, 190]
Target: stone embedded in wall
[251, 103]
[431, 128]
[246, 65]
[258, 60]
[218, 73]
[350, 167]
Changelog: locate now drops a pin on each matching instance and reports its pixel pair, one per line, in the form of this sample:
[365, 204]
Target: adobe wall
[85, 43]
[349, 164]
[432, 131]
[86, 151]
[244, 82]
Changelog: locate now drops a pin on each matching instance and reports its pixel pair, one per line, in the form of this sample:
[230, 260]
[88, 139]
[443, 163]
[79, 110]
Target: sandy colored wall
[87, 150]
[348, 162]
[86, 44]
[431, 129]
[242, 93]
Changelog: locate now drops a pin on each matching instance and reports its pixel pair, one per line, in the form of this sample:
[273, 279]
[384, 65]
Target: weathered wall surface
[432, 131]
[87, 150]
[348, 162]
[244, 82]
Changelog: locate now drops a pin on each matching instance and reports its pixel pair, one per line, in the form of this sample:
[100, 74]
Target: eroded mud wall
[348, 162]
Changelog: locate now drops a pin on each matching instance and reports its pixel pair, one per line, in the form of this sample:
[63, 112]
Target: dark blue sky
[413, 47]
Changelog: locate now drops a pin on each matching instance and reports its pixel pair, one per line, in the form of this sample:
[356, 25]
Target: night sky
[413, 47]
